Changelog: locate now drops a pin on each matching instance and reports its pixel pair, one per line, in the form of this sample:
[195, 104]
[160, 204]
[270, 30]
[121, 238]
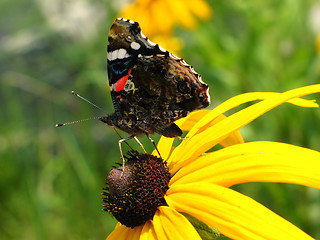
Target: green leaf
[206, 232]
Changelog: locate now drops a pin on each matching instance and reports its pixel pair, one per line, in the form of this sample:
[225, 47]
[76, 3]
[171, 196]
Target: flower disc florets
[134, 195]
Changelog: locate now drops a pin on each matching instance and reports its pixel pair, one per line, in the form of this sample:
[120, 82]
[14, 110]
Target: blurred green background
[51, 178]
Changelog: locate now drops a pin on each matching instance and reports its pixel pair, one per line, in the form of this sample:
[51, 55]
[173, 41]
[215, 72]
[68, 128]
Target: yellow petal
[163, 23]
[245, 98]
[188, 122]
[196, 145]
[233, 138]
[233, 214]
[180, 12]
[136, 233]
[169, 224]
[202, 9]
[148, 232]
[254, 162]
[295, 101]
[165, 147]
[122, 232]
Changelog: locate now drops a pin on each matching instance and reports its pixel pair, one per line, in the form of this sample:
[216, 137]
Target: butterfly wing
[150, 87]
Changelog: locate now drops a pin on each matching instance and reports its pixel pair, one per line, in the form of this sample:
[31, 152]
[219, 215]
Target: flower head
[200, 180]
[133, 195]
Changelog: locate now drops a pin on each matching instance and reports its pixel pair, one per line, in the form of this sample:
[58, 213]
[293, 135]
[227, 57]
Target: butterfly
[150, 87]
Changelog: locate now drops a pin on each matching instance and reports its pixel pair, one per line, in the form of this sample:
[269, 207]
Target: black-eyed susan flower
[159, 17]
[199, 181]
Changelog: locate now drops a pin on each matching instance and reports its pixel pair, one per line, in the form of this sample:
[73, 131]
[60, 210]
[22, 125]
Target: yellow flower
[200, 180]
[159, 17]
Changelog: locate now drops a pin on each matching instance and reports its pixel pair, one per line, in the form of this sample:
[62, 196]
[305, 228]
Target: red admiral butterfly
[150, 87]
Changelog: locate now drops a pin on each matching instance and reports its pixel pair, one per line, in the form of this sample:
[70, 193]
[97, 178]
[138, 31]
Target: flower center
[134, 195]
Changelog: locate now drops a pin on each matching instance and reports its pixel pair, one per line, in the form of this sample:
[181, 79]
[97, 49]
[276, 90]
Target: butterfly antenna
[73, 122]
[86, 100]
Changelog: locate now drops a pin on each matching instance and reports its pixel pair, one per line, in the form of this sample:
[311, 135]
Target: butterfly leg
[154, 144]
[137, 140]
[121, 141]
[182, 138]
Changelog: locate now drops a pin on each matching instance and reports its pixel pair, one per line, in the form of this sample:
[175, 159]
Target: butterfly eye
[129, 38]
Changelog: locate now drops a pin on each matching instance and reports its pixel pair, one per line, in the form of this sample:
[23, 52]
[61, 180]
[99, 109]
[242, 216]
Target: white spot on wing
[192, 70]
[118, 54]
[142, 35]
[122, 53]
[184, 62]
[109, 56]
[135, 45]
[200, 79]
[151, 43]
[148, 56]
[174, 56]
[162, 49]
[207, 92]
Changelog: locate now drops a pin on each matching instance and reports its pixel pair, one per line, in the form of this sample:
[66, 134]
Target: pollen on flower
[133, 197]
